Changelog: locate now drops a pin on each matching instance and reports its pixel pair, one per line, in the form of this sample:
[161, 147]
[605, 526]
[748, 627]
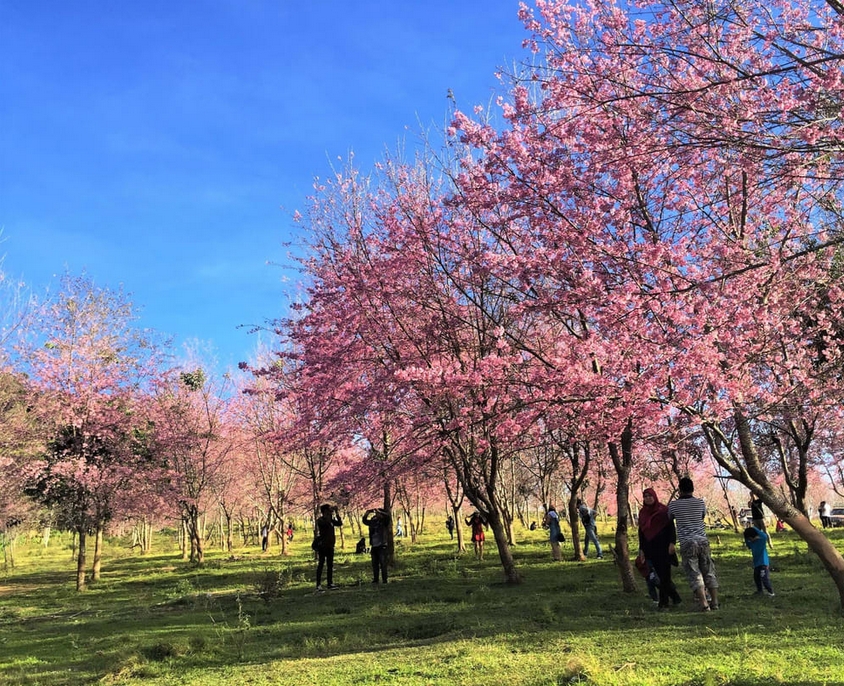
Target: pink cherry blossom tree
[88, 367]
[195, 439]
[668, 188]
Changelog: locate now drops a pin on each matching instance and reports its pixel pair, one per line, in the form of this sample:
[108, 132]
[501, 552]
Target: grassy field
[255, 619]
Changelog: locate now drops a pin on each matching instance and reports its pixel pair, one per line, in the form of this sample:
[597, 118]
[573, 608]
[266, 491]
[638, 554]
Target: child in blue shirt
[757, 541]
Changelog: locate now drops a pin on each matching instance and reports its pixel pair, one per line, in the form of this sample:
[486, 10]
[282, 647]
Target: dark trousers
[762, 578]
[667, 589]
[379, 562]
[326, 559]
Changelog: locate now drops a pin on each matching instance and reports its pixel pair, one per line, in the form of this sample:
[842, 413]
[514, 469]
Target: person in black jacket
[656, 534]
[324, 544]
[378, 521]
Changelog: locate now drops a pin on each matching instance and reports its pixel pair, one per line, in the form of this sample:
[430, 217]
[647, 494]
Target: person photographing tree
[378, 521]
[324, 544]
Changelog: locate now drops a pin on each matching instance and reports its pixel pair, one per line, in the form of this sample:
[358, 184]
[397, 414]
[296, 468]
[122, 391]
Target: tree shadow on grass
[183, 620]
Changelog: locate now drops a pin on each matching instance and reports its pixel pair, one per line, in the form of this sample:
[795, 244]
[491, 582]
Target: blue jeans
[592, 535]
[762, 577]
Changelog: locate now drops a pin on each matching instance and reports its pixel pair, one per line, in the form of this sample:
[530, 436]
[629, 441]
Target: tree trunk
[505, 552]
[574, 524]
[98, 553]
[45, 535]
[197, 550]
[80, 561]
[391, 541]
[183, 539]
[819, 544]
[507, 520]
[8, 544]
[229, 541]
[458, 529]
[756, 480]
[284, 541]
[623, 463]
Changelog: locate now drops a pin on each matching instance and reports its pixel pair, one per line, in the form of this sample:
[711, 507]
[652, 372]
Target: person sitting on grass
[757, 541]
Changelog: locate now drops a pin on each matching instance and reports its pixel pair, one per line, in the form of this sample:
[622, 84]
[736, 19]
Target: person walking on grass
[688, 514]
[587, 518]
[477, 523]
[757, 541]
[324, 545]
[656, 535]
[555, 534]
[378, 521]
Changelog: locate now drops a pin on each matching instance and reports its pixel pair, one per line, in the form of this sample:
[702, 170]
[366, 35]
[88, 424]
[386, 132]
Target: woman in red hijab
[656, 533]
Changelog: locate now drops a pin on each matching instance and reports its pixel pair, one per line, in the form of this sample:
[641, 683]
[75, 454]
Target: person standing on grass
[399, 529]
[824, 511]
[378, 521]
[757, 540]
[688, 514]
[757, 514]
[552, 521]
[329, 518]
[449, 525]
[656, 535]
[265, 537]
[477, 524]
[587, 518]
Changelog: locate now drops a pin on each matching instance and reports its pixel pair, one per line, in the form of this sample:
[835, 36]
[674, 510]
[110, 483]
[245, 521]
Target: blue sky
[164, 146]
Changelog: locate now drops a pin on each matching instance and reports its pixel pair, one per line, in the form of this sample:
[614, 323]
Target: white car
[836, 517]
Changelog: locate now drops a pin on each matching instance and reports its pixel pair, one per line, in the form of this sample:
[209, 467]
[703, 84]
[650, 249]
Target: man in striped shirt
[688, 514]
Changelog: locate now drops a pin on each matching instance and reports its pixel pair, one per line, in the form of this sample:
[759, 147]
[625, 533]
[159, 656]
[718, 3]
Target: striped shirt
[688, 514]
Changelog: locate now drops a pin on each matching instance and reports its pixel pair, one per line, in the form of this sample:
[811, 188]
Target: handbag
[315, 543]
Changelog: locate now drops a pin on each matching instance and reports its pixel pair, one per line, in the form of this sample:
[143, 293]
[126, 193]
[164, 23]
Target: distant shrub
[161, 651]
[270, 583]
[183, 592]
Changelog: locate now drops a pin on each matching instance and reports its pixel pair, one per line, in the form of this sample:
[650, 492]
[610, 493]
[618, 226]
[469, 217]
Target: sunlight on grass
[443, 619]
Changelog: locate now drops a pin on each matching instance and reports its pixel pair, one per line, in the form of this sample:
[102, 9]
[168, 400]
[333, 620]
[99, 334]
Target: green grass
[442, 620]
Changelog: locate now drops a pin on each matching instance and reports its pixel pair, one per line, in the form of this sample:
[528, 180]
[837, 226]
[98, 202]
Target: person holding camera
[378, 521]
[324, 544]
